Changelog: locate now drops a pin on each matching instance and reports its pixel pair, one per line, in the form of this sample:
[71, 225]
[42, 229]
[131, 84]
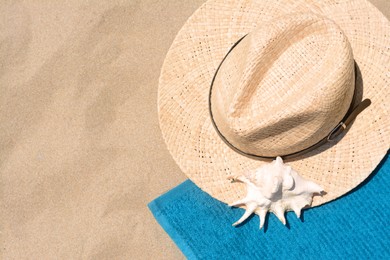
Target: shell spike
[279, 160]
[238, 202]
[262, 213]
[315, 188]
[250, 208]
[297, 210]
[279, 212]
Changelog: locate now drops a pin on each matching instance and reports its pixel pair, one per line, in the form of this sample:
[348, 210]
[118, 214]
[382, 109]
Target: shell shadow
[302, 217]
[266, 221]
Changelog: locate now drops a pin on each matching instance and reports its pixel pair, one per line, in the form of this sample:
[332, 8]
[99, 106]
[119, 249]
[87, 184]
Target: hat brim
[195, 55]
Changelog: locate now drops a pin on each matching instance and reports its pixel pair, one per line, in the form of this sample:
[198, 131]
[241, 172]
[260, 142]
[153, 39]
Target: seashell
[277, 188]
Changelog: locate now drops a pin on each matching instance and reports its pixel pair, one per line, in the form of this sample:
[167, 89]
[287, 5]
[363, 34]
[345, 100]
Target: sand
[81, 153]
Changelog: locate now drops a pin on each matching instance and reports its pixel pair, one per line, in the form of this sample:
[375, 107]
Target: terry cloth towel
[356, 226]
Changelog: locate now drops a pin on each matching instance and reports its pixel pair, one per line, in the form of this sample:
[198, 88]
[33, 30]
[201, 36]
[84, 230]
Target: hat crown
[285, 86]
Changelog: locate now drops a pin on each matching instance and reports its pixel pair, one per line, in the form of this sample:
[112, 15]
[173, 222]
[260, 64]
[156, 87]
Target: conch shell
[277, 188]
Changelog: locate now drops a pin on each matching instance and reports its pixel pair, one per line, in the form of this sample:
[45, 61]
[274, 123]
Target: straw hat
[246, 81]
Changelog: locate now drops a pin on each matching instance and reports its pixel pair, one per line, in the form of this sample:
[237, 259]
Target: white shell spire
[277, 188]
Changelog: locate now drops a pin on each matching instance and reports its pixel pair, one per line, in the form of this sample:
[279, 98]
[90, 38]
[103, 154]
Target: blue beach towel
[356, 226]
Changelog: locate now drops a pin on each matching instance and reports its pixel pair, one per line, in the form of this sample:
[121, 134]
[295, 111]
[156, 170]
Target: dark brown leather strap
[347, 120]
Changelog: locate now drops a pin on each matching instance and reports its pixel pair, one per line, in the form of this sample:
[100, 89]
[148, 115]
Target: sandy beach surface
[81, 153]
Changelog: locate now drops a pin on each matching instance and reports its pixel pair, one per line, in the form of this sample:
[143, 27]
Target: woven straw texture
[277, 66]
[205, 39]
